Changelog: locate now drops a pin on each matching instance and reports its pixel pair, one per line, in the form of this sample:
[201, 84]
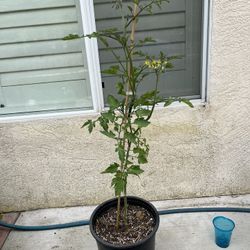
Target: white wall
[194, 152]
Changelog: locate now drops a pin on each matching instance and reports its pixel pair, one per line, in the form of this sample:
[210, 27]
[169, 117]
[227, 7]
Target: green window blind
[39, 71]
[176, 27]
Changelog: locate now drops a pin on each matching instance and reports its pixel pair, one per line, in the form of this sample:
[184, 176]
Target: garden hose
[47, 227]
[86, 222]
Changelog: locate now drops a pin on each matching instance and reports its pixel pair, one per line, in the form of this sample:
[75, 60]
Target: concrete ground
[176, 232]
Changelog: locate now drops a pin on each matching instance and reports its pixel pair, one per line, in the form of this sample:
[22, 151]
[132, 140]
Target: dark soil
[140, 224]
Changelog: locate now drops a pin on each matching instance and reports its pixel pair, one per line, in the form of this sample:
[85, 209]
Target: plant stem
[118, 212]
[125, 205]
[153, 106]
[135, 14]
[138, 13]
[125, 187]
[156, 88]
[126, 117]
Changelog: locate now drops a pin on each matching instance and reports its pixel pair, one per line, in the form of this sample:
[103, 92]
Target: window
[39, 71]
[176, 27]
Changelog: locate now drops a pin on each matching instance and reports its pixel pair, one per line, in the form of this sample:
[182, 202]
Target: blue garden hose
[47, 227]
[204, 209]
[86, 222]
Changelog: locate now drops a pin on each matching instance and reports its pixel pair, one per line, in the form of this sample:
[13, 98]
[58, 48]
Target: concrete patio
[177, 232]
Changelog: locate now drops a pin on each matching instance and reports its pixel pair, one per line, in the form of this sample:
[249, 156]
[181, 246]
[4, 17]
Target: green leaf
[86, 123]
[130, 136]
[109, 116]
[186, 101]
[120, 88]
[143, 112]
[147, 98]
[111, 169]
[146, 40]
[90, 125]
[113, 70]
[103, 122]
[169, 65]
[150, 94]
[141, 123]
[142, 159]
[139, 53]
[109, 134]
[121, 153]
[71, 37]
[118, 183]
[169, 101]
[93, 35]
[113, 102]
[135, 170]
[142, 155]
[138, 150]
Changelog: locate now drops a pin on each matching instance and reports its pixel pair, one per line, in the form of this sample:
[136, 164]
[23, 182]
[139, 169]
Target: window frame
[206, 48]
[91, 45]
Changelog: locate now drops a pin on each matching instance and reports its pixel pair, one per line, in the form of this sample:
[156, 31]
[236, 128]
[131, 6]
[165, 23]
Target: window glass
[176, 27]
[38, 70]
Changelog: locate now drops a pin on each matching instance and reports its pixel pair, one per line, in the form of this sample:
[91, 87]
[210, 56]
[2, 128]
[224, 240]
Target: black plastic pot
[146, 244]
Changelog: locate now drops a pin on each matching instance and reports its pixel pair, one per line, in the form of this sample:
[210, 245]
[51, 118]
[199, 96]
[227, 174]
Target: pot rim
[155, 215]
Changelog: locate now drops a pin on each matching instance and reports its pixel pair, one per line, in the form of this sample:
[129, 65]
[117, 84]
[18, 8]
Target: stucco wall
[194, 152]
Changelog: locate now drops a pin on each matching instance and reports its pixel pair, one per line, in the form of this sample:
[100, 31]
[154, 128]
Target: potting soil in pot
[140, 223]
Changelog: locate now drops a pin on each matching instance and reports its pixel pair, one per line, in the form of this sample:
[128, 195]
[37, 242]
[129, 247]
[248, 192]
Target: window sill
[45, 116]
[83, 113]
[195, 102]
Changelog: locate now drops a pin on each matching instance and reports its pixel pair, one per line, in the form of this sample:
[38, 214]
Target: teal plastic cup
[223, 228]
